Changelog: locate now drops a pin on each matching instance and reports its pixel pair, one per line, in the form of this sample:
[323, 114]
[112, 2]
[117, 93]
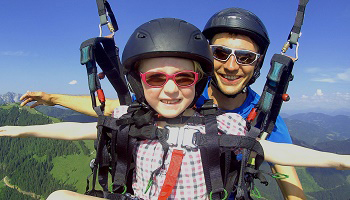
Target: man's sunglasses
[243, 57]
[182, 79]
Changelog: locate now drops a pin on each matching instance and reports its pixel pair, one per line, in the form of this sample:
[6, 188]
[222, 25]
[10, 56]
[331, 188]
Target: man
[239, 41]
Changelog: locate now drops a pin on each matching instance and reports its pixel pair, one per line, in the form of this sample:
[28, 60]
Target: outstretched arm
[80, 104]
[293, 155]
[61, 131]
[291, 187]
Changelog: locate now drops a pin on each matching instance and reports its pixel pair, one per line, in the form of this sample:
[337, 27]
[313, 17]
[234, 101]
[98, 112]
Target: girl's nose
[170, 86]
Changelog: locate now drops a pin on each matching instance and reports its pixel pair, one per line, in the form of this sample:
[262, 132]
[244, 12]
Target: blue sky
[40, 43]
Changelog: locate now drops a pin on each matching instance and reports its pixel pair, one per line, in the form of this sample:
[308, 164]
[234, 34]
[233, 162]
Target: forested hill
[14, 115]
[31, 164]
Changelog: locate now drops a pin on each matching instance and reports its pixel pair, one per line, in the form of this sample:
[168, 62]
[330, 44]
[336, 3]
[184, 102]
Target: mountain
[338, 123]
[9, 97]
[63, 114]
[334, 146]
[310, 133]
[66, 115]
[317, 127]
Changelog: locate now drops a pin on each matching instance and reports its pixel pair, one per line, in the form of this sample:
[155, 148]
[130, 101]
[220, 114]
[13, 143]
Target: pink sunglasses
[182, 79]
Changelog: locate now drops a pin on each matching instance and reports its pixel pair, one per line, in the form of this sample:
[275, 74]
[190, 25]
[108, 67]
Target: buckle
[173, 135]
[180, 137]
[189, 139]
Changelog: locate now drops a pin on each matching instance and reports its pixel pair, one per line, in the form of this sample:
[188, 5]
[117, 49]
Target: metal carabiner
[286, 47]
[110, 27]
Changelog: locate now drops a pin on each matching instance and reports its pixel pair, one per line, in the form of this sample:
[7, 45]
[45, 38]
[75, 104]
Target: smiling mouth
[231, 79]
[171, 101]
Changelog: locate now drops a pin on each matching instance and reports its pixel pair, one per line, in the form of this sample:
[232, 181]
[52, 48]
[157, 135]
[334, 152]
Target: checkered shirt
[191, 182]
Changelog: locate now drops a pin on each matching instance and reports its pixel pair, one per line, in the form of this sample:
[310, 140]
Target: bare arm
[61, 131]
[80, 104]
[291, 187]
[293, 155]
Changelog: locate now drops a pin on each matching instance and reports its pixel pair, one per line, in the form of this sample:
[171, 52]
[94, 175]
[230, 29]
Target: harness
[118, 137]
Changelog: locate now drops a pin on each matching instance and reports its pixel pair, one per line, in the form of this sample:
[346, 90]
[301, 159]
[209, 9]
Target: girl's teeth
[170, 101]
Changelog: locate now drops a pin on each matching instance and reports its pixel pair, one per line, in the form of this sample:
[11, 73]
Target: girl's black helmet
[240, 21]
[166, 37]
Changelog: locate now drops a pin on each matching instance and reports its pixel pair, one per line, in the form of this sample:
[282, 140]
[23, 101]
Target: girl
[168, 62]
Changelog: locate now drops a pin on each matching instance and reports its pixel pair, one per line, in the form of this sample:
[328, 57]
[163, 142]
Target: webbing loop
[217, 191]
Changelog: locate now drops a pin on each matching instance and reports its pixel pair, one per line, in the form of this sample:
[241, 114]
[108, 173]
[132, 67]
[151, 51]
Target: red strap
[172, 174]
[101, 95]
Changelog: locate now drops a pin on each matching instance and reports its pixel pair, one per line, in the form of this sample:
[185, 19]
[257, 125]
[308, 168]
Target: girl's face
[169, 100]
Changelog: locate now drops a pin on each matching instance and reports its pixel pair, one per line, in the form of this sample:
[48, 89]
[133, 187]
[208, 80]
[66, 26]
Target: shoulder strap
[102, 50]
[210, 152]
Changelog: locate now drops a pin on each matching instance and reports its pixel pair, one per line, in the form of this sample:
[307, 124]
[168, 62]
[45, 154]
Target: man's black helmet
[240, 21]
[166, 37]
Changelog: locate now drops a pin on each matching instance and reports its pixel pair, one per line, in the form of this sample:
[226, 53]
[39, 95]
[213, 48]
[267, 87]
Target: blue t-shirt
[279, 134]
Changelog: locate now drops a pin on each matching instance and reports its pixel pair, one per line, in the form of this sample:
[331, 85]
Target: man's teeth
[230, 77]
[170, 101]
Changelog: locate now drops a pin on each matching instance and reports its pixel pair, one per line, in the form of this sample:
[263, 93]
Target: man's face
[231, 76]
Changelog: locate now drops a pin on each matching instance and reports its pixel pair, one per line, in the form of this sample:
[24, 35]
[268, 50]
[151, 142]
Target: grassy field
[2, 184]
[74, 169]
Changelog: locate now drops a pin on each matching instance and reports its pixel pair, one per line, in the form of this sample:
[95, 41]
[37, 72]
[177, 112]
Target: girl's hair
[198, 69]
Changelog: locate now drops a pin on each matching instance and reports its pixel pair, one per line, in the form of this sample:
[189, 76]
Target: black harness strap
[295, 32]
[230, 141]
[210, 153]
[103, 51]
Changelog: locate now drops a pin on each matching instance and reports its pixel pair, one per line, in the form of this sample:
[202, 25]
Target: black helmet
[238, 20]
[166, 37]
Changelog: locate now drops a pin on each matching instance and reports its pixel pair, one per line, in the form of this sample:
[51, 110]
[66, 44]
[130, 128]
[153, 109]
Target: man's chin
[228, 90]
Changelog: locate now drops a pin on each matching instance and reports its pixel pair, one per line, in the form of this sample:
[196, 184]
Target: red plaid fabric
[191, 181]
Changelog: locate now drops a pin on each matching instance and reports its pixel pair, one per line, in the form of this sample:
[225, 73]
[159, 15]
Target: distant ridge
[9, 97]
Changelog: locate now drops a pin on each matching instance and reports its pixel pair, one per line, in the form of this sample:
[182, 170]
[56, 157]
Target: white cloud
[345, 76]
[312, 70]
[73, 82]
[332, 76]
[319, 92]
[345, 96]
[320, 100]
[14, 53]
[325, 80]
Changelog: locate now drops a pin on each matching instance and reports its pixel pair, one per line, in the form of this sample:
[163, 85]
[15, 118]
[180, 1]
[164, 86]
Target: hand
[41, 98]
[11, 131]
